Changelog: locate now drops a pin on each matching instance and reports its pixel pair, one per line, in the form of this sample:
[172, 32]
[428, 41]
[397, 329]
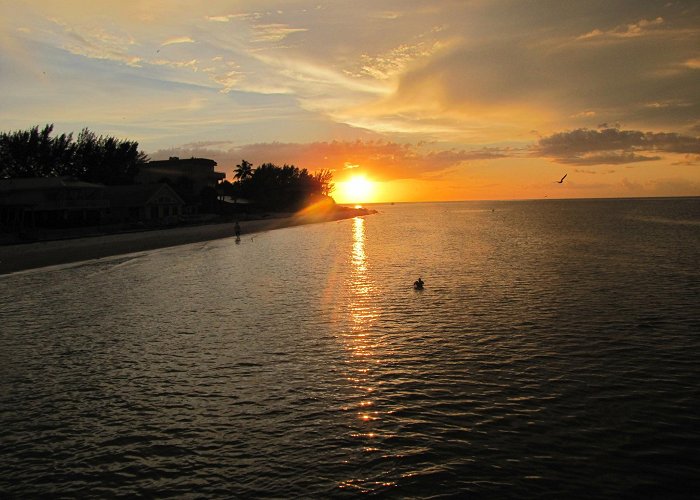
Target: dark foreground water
[554, 353]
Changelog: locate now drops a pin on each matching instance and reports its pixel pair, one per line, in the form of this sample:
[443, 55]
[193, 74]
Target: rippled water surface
[554, 352]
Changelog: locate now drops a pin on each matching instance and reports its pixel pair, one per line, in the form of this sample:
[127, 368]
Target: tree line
[110, 161]
[89, 157]
[275, 187]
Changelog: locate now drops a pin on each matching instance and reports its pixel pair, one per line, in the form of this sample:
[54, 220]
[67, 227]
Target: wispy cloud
[584, 114]
[97, 43]
[228, 81]
[693, 63]
[231, 17]
[265, 33]
[192, 64]
[639, 28]
[177, 40]
[393, 62]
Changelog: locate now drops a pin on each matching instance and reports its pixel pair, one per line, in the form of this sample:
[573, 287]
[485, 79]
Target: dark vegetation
[89, 158]
[278, 188]
[111, 161]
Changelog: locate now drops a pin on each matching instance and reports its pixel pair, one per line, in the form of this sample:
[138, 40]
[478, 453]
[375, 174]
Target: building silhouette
[192, 174]
[164, 193]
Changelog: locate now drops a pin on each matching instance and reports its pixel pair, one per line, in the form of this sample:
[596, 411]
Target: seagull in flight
[562, 179]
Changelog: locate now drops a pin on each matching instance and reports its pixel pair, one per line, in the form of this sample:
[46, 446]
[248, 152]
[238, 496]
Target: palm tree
[243, 171]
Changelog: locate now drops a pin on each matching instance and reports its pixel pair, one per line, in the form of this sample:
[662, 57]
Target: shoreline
[26, 256]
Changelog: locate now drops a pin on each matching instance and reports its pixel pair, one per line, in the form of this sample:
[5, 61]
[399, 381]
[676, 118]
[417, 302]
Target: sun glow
[357, 189]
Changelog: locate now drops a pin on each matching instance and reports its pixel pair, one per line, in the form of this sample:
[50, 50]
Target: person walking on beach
[237, 229]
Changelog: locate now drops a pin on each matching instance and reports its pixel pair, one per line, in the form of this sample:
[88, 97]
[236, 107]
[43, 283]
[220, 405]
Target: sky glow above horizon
[446, 100]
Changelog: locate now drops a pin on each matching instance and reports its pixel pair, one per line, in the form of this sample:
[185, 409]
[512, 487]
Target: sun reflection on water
[361, 307]
[359, 257]
[360, 342]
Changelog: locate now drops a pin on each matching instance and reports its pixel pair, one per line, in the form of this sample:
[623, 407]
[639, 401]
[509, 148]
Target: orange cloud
[384, 160]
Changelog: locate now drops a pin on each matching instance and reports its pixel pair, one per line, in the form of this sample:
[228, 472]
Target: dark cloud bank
[613, 146]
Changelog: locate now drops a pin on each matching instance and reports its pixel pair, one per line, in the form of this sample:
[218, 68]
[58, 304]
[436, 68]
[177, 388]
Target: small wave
[666, 220]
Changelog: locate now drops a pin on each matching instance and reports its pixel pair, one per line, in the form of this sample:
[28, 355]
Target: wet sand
[25, 256]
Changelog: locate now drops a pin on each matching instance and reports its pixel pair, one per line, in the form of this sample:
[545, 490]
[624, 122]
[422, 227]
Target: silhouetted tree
[325, 179]
[34, 153]
[243, 171]
[286, 187]
[107, 160]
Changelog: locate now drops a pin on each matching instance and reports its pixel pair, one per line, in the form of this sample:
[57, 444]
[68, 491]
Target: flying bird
[562, 179]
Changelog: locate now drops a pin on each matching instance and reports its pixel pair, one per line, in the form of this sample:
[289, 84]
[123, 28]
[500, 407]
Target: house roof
[138, 194]
[174, 161]
[44, 183]
[197, 169]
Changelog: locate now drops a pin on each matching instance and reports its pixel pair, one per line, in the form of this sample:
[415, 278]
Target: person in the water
[418, 284]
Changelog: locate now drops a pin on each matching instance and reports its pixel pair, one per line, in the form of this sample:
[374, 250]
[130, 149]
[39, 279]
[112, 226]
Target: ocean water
[554, 353]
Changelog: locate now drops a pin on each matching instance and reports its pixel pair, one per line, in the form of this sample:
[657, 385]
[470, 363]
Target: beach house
[188, 176]
[50, 202]
[143, 203]
[62, 202]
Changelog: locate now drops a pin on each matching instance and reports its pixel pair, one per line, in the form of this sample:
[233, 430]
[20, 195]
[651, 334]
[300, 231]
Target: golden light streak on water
[360, 343]
[362, 287]
[358, 247]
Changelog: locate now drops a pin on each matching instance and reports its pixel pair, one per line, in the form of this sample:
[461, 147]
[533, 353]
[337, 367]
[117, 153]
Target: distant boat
[418, 284]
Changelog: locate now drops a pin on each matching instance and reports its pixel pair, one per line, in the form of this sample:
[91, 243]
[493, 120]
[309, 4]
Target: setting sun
[357, 189]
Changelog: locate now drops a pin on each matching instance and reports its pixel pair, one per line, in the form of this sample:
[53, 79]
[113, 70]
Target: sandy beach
[20, 257]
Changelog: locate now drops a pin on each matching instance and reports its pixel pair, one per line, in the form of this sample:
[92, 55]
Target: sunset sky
[438, 100]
